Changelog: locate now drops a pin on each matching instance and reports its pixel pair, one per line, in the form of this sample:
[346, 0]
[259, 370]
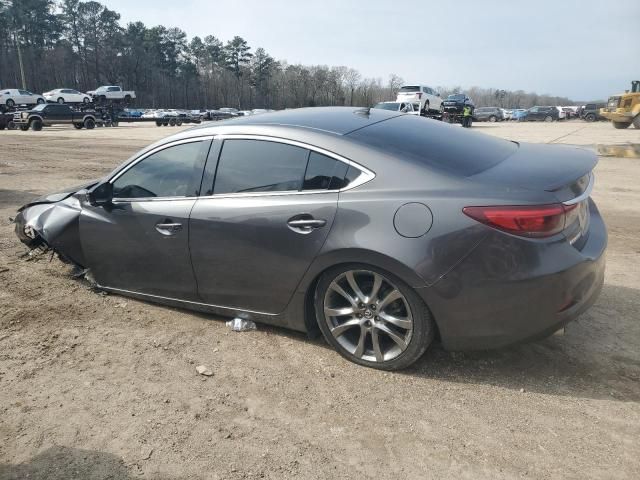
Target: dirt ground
[104, 387]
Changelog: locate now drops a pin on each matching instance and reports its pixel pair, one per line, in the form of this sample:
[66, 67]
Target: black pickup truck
[52, 114]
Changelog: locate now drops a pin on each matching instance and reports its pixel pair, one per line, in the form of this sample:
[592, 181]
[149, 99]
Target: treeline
[81, 44]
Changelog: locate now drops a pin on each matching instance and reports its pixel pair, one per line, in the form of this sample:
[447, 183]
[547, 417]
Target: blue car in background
[131, 113]
[519, 114]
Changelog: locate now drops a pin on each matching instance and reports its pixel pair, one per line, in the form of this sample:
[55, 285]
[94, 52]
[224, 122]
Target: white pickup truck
[111, 92]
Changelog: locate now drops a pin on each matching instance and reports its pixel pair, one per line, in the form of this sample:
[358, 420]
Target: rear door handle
[168, 227]
[305, 224]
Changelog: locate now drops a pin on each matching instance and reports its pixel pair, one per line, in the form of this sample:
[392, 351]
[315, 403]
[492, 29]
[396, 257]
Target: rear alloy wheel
[61, 100]
[493, 118]
[620, 125]
[372, 318]
[548, 118]
[86, 100]
[10, 103]
[40, 101]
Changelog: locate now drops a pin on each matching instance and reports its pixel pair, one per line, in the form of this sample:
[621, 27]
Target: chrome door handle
[305, 225]
[168, 228]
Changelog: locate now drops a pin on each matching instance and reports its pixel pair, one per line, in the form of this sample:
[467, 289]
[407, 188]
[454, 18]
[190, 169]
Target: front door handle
[168, 227]
[305, 223]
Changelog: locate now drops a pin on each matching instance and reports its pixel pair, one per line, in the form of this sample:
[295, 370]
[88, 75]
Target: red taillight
[528, 221]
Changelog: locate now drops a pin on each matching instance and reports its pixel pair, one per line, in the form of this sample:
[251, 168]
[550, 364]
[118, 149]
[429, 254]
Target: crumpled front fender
[54, 224]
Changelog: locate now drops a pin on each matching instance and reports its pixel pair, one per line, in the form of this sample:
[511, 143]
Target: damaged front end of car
[52, 222]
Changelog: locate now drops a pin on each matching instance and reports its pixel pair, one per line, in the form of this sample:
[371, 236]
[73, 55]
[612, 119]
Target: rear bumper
[510, 290]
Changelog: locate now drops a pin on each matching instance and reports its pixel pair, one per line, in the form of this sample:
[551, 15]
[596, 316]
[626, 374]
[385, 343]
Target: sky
[581, 49]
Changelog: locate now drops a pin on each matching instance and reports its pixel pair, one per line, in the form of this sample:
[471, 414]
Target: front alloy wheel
[372, 319]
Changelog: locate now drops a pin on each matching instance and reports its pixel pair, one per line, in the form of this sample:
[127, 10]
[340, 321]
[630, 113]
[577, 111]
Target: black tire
[493, 118]
[89, 123]
[24, 128]
[166, 124]
[78, 126]
[60, 100]
[179, 123]
[423, 326]
[86, 100]
[620, 125]
[36, 125]
[158, 124]
[114, 124]
[11, 125]
[590, 117]
[636, 122]
[40, 101]
[10, 103]
[172, 122]
[127, 99]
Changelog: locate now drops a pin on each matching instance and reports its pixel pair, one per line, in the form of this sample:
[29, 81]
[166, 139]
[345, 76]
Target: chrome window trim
[365, 176]
[584, 195]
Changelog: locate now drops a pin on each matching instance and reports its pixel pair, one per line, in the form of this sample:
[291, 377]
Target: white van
[428, 98]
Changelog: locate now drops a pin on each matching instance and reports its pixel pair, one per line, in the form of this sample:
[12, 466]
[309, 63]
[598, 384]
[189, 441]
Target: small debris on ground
[204, 370]
[241, 325]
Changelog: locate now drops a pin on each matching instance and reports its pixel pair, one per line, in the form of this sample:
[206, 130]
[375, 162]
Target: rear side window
[440, 146]
[324, 173]
[260, 166]
[171, 172]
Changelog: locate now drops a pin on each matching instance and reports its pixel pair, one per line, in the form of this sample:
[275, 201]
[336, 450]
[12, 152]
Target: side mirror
[101, 195]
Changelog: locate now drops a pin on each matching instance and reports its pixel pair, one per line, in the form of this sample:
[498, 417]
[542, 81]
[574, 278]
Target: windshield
[410, 88]
[39, 108]
[388, 106]
[457, 97]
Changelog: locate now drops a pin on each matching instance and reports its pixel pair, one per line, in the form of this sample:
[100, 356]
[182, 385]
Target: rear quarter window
[432, 143]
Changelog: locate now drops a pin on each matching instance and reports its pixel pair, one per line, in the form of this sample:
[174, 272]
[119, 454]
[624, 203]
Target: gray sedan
[383, 231]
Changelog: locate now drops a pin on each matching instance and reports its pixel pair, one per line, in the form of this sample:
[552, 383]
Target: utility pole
[15, 37]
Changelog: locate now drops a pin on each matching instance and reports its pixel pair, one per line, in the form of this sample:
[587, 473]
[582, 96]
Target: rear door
[140, 243]
[265, 219]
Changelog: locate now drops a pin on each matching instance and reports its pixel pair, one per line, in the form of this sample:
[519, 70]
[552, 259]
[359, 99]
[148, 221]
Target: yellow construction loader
[624, 109]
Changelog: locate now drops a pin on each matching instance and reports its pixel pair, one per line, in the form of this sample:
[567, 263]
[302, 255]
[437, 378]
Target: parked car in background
[507, 114]
[11, 97]
[591, 112]
[541, 114]
[111, 92]
[258, 111]
[571, 112]
[66, 95]
[454, 104]
[384, 231]
[231, 111]
[402, 107]
[52, 114]
[427, 98]
[488, 114]
[244, 113]
[519, 114]
[562, 114]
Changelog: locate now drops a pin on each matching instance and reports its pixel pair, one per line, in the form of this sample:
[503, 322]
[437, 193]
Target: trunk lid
[560, 169]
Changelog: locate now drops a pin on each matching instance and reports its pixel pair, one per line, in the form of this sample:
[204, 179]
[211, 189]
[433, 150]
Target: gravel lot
[100, 386]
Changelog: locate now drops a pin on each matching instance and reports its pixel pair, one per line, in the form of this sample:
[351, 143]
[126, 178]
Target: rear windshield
[429, 142]
[410, 88]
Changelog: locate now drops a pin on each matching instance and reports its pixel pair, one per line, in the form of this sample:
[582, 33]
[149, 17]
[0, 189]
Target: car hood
[59, 195]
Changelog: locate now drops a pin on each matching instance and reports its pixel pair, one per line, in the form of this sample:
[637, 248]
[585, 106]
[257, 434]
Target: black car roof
[337, 120]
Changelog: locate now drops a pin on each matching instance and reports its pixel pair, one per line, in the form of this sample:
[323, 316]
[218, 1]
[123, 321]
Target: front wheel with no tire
[372, 318]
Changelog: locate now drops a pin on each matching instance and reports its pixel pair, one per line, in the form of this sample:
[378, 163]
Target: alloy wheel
[368, 315]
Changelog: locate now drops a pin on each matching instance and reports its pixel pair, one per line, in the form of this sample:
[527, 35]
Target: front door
[269, 214]
[140, 243]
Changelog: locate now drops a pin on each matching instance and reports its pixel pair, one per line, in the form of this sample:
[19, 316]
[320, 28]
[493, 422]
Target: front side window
[114, 89]
[259, 166]
[168, 173]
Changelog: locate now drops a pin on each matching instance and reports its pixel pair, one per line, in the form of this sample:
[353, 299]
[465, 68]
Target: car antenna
[363, 111]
